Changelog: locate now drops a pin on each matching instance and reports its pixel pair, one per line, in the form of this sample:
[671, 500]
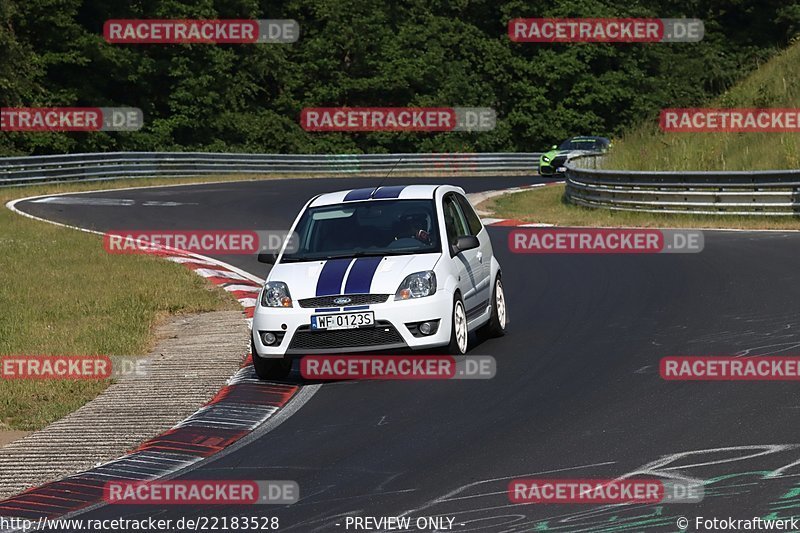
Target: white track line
[12, 205]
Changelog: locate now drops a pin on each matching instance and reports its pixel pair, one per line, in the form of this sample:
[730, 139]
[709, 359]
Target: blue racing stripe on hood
[359, 194]
[360, 278]
[392, 191]
[331, 277]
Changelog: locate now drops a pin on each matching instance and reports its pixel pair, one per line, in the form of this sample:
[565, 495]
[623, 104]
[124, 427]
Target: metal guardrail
[17, 171]
[769, 192]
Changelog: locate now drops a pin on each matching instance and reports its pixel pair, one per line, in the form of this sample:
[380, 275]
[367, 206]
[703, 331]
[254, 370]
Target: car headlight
[417, 285]
[545, 159]
[276, 294]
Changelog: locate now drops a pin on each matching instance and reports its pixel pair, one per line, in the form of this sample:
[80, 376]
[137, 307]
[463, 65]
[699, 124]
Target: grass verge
[774, 84]
[546, 205]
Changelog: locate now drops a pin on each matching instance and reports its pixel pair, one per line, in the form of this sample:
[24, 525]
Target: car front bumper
[393, 328]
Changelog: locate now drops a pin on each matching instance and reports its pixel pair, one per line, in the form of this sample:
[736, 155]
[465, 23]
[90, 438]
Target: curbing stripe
[229, 417]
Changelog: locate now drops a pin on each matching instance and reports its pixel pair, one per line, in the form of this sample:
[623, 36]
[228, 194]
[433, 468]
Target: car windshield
[584, 144]
[369, 228]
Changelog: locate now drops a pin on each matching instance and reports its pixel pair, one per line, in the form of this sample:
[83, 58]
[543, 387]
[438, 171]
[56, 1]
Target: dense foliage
[368, 53]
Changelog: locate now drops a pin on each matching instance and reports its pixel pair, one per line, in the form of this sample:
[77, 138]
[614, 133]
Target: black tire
[455, 347]
[270, 368]
[496, 327]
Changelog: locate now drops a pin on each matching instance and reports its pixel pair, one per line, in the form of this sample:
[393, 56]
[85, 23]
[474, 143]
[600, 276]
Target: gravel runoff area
[193, 358]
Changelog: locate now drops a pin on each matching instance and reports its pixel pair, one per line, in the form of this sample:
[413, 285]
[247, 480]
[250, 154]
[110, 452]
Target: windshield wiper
[367, 254]
[291, 259]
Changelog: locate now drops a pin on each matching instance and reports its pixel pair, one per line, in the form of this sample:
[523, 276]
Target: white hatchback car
[393, 267]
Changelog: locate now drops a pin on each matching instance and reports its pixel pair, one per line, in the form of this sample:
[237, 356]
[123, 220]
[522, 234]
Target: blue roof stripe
[360, 278]
[392, 191]
[359, 194]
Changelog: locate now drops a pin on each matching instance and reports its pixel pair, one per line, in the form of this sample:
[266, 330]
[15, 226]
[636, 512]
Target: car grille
[382, 334]
[355, 299]
[558, 161]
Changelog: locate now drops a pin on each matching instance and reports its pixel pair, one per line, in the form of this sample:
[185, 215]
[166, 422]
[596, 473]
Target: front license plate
[561, 169]
[343, 320]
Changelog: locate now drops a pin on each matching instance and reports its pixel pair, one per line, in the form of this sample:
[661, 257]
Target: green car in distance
[553, 162]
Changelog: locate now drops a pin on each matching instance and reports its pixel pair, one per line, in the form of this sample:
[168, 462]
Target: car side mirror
[267, 257]
[466, 242]
[554, 147]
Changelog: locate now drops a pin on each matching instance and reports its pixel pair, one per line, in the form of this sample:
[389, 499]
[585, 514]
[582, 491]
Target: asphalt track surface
[577, 392]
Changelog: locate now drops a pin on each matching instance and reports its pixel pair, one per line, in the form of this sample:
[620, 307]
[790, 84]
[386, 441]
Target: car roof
[587, 138]
[385, 192]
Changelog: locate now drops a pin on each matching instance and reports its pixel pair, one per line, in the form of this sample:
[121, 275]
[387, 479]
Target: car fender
[494, 269]
[446, 281]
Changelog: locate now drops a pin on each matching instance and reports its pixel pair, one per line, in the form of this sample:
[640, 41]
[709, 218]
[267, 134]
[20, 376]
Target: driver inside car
[413, 226]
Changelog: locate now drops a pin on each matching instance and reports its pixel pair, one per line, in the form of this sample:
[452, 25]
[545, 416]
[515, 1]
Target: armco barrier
[16, 171]
[770, 192]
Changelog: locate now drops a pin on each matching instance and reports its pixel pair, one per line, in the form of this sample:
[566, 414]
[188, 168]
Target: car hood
[569, 153]
[377, 275]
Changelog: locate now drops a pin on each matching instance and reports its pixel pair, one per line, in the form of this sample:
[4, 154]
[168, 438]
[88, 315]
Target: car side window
[473, 220]
[454, 221]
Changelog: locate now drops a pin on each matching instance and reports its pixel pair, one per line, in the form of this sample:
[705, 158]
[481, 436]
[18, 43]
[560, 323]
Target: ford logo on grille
[341, 300]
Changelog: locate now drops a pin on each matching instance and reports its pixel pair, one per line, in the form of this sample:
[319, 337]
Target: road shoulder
[192, 359]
